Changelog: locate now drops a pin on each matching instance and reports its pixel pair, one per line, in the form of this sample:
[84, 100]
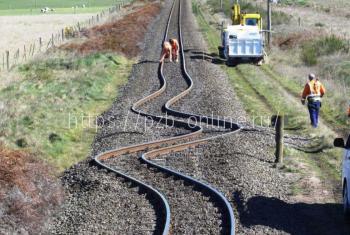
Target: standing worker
[166, 52]
[313, 92]
[174, 49]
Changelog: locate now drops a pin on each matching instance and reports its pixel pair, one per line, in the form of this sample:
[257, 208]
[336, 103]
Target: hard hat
[312, 76]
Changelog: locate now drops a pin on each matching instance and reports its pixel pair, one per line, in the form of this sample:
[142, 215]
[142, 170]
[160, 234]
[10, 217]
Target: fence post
[8, 60]
[30, 51]
[40, 43]
[48, 44]
[52, 40]
[24, 52]
[62, 35]
[279, 126]
[33, 49]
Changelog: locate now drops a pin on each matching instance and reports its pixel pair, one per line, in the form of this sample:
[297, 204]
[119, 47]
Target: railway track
[123, 161]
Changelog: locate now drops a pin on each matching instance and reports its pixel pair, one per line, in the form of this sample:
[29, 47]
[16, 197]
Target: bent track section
[150, 150]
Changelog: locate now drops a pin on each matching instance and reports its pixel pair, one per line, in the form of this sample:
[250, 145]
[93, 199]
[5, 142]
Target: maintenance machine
[244, 39]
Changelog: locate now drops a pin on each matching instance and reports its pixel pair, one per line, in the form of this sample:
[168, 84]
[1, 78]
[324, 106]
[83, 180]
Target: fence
[10, 60]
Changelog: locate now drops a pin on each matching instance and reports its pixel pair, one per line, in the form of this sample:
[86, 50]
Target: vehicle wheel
[221, 52]
[346, 206]
[231, 62]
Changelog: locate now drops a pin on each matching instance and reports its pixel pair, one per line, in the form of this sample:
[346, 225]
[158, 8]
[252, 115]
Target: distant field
[68, 10]
[37, 4]
[32, 7]
[23, 30]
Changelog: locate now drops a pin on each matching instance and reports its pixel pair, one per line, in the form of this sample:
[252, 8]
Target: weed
[319, 24]
[309, 54]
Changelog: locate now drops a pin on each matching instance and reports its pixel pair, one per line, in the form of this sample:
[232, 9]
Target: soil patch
[123, 36]
[294, 39]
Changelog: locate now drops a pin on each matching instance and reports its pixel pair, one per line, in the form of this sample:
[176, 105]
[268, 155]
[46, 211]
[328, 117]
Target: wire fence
[12, 58]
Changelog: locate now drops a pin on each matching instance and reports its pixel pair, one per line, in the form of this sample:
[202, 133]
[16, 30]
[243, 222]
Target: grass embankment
[47, 112]
[263, 92]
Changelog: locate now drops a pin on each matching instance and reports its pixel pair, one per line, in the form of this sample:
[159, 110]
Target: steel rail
[150, 150]
[209, 120]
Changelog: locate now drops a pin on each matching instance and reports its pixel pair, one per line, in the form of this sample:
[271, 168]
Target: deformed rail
[156, 148]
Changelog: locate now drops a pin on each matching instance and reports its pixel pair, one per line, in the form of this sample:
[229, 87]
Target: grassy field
[33, 7]
[37, 4]
[67, 10]
[262, 91]
[45, 117]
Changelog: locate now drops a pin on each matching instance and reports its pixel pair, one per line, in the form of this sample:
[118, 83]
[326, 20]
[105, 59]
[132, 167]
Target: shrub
[28, 192]
[309, 55]
[321, 47]
[319, 25]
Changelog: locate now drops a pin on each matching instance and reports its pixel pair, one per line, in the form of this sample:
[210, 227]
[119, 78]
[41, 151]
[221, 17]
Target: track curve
[155, 148]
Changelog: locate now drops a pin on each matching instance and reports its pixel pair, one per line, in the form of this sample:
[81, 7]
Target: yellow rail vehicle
[251, 19]
[243, 40]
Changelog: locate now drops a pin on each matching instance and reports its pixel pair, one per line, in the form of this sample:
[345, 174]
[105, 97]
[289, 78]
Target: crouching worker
[313, 92]
[174, 49]
[166, 52]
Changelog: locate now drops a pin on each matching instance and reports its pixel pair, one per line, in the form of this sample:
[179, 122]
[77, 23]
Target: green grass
[208, 31]
[326, 164]
[47, 106]
[297, 119]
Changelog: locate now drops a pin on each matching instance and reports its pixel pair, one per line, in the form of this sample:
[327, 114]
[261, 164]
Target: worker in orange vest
[313, 93]
[166, 52]
[174, 49]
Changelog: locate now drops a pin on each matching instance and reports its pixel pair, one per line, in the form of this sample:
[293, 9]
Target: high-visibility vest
[313, 90]
[174, 45]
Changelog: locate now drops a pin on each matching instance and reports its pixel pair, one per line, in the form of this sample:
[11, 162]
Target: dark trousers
[314, 109]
